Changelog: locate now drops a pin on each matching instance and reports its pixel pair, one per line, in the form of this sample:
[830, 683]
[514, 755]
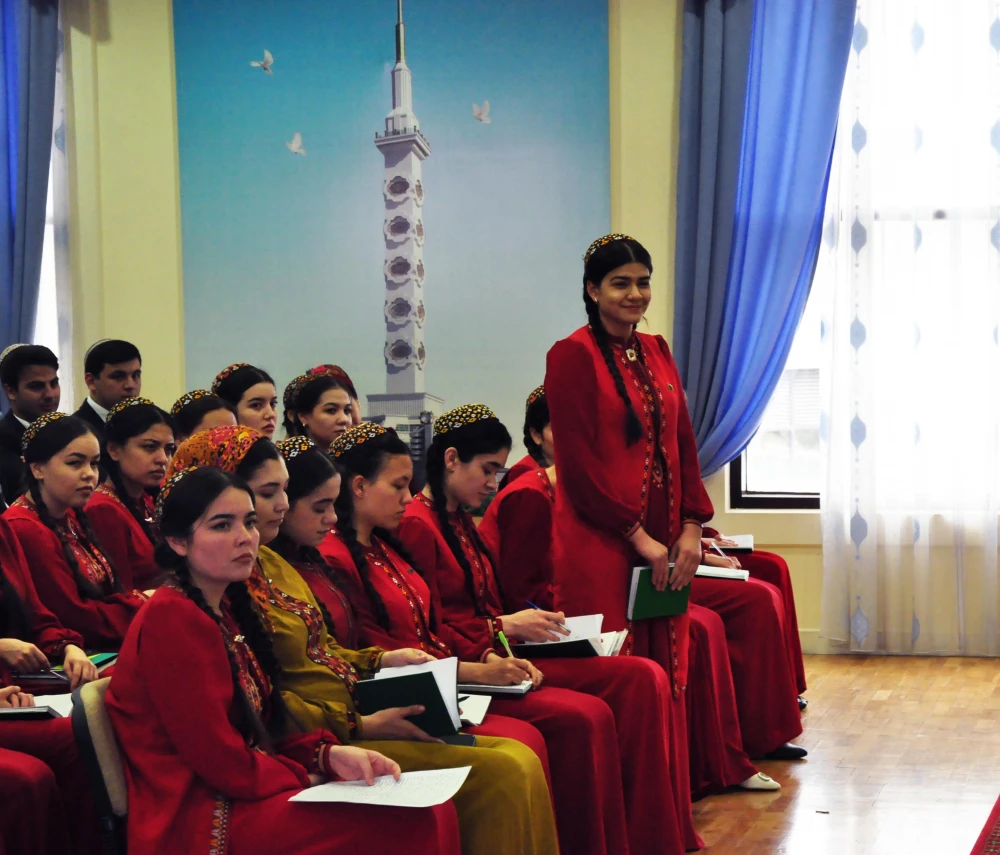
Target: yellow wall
[126, 204]
[125, 194]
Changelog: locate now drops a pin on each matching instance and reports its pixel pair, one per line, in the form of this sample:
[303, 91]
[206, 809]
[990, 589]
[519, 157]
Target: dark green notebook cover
[580, 648]
[376, 695]
[646, 602]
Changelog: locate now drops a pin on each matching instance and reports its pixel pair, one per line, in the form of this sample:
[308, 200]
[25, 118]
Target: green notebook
[101, 660]
[644, 601]
[433, 685]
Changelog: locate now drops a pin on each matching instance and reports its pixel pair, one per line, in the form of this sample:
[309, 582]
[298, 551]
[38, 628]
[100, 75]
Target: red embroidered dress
[101, 622]
[524, 465]
[122, 538]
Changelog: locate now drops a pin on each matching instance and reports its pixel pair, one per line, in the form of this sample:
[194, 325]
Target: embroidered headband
[536, 395]
[292, 390]
[125, 403]
[294, 446]
[221, 377]
[189, 398]
[223, 447]
[9, 350]
[466, 414]
[603, 241]
[355, 436]
[32, 430]
[337, 373]
[171, 481]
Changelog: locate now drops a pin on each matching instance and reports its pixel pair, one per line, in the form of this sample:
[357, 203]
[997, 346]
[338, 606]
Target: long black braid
[599, 263]
[15, 621]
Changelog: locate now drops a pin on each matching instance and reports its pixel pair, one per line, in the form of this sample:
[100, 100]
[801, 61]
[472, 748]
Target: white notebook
[736, 573]
[62, 704]
[472, 709]
[581, 628]
[517, 689]
[744, 543]
[413, 789]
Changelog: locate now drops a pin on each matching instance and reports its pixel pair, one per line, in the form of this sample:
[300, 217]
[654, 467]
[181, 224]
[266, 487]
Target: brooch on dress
[631, 354]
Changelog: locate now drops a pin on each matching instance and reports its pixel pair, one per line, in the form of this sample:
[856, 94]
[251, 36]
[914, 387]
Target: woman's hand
[12, 697]
[686, 556]
[22, 657]
[78, 667]
[351, 763]
[656, 554]
[394, 723]
[535, 625]
[498, 671]
[727, 561]
[405, 656]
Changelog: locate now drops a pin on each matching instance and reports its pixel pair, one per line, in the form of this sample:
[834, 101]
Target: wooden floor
[904, 757]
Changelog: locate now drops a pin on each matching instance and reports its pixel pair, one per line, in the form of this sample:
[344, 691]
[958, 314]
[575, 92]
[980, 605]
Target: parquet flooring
[904, 757]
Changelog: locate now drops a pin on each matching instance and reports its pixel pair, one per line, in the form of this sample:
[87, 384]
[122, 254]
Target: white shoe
[760, 781]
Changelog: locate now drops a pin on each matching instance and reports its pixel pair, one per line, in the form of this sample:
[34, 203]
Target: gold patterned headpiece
[168, 485]
[355, 436]
[603, 241]
[125, 403]
[534, 396]
[294, 446]
[292, 390]
[223, 447]
[220, 378]
[189, 398]
[9, 350]
[32, 430]
[466, 414]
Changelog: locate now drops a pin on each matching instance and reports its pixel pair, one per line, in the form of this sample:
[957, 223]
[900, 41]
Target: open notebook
[433, 685]
[585, 639]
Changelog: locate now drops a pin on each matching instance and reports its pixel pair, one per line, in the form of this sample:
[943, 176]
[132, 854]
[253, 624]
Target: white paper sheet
[445, 672]
[473, 708]
[62, 704]
[521, 688]
[413, 789]
[581, 628]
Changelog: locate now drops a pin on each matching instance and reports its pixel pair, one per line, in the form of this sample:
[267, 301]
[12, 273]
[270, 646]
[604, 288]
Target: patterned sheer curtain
[909, 275]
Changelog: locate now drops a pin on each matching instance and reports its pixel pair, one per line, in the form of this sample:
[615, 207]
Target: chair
[99, 751]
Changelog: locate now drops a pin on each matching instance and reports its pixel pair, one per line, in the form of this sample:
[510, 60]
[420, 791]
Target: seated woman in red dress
[470, 446]
[140, 443]
[250, 392]
[537, 440]
[197, 411]
[74, 579]
[317, 406]
[217, 776]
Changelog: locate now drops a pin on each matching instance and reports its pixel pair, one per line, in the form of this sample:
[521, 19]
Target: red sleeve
[524, 523]
[48, 633]
[302, 749]
[461, 629]
[190, 684]
[584, 468]
[119, 535]
[102, 623]
[695, 503]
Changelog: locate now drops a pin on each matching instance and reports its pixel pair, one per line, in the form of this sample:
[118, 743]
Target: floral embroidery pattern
[220, 827]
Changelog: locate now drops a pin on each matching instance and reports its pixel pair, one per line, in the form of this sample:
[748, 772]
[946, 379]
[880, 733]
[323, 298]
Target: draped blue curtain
[733, 331]
[29, 41]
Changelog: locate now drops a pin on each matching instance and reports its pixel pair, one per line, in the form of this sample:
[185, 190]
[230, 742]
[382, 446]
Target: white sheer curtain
[910, 275]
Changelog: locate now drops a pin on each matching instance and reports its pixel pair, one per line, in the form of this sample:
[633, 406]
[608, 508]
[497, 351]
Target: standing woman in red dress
[140, 443]
[250, 392]
[75, 580]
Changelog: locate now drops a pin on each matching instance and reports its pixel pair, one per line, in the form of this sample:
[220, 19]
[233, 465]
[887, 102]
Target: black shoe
[787, 752]
[803, 703]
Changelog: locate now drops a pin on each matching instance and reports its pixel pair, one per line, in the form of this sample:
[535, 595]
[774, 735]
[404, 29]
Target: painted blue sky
[283, 254]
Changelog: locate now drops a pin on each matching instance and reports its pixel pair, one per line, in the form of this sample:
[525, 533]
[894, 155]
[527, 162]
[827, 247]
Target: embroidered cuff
[633, 529]
[692, 521]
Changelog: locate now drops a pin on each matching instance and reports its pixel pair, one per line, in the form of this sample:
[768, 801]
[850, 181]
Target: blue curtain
[732, 340]
[29, 32]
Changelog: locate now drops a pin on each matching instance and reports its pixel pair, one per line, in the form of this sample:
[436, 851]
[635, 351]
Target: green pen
[506, 646]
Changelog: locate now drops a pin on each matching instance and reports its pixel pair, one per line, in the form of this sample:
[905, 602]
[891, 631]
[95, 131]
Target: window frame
[749, 500]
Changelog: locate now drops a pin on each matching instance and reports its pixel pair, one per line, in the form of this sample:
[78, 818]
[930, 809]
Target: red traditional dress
[636, 692]
[101, 622]
[195, 785]
[123, 539]
[524, 465]
[606, 488]
[518, 529]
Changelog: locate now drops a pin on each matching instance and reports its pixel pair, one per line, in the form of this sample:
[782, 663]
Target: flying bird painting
[265, 63]
[295, 146]
[482, 114]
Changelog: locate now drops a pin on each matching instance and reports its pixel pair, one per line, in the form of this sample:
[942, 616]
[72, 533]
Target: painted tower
[405, 404]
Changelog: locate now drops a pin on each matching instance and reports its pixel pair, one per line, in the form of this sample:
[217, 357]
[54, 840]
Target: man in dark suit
[29, 374]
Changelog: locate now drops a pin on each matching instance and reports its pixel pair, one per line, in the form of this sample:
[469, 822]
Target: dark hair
[260, 452]
[183, 506]
[49, 441]
[22, 357]
[232, 388]
[486, 436]
[120, 427]
[112, 351]
[601, 262]
[306, 400]
[367, 459]
[188, 417]
[536, 418]
[15, 622]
